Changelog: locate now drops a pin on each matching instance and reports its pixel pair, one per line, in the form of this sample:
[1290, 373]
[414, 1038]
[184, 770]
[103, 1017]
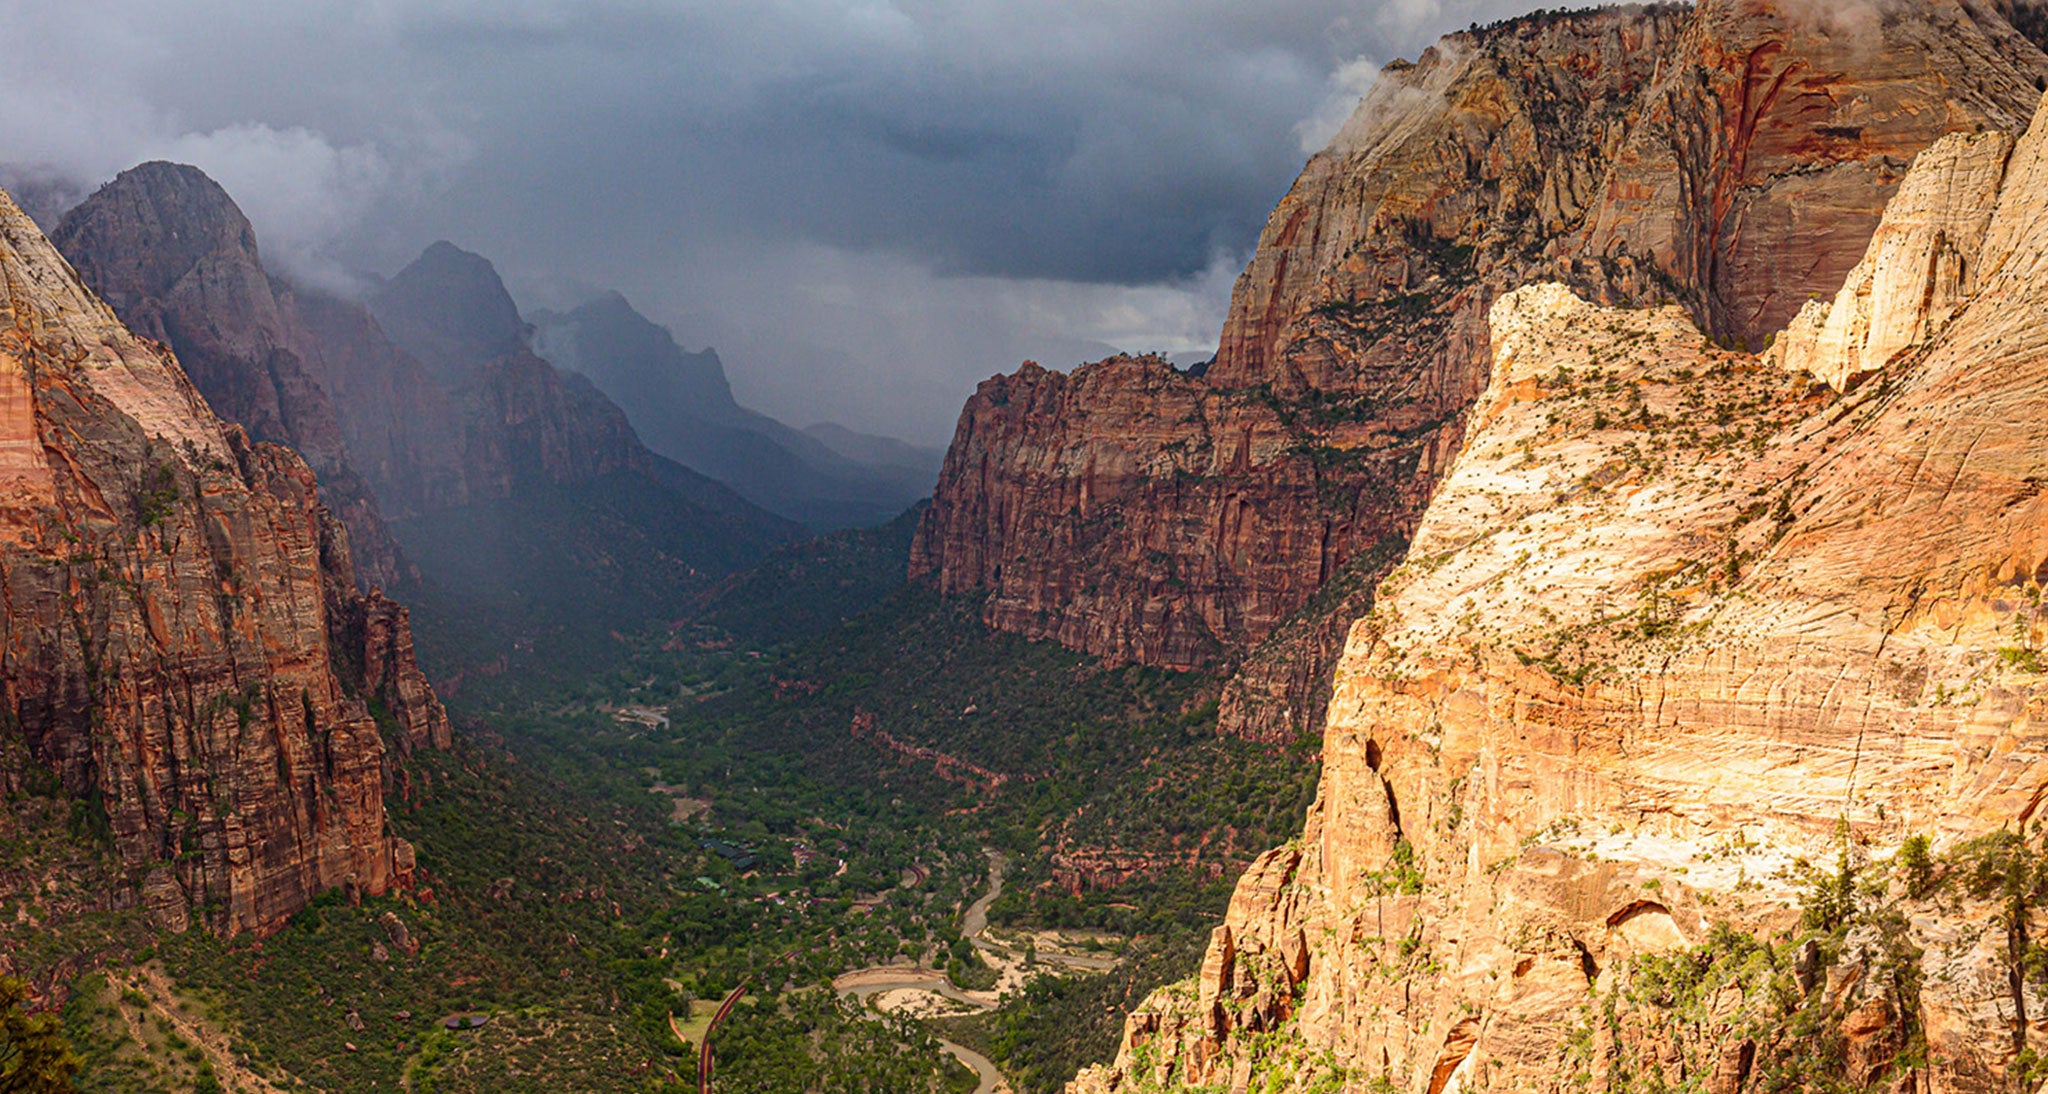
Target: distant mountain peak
[452, 308]
[171, 252]
[610, 341]
[161, 219]
[682, 405]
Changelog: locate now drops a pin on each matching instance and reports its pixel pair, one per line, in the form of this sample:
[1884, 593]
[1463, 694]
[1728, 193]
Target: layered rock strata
[1680, 623]
[183, 643]
[167, 248]
[1732, 158]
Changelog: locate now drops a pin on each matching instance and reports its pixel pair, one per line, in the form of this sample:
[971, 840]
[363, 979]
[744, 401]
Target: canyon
[1617, 498]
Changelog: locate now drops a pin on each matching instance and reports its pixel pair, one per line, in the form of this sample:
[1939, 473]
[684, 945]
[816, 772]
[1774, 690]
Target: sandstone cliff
[184, 646]
[174, 257]
[1732, 158]
[1688, 643]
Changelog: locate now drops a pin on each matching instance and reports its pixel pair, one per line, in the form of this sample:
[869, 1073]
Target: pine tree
[34, 1056]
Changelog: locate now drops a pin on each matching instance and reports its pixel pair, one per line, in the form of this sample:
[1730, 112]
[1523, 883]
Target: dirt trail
[229, 1071]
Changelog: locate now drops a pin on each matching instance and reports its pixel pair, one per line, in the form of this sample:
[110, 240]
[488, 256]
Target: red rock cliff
[1680, 624]
[167, 248]
[1733, 158]
[182, 638]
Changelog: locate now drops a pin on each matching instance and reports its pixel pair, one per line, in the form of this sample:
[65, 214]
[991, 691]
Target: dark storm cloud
[867, 204]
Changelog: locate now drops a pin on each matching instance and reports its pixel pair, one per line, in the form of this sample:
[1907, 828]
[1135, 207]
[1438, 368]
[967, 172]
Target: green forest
[761, 797]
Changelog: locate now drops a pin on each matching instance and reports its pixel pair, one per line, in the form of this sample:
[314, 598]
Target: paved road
[704, 1053]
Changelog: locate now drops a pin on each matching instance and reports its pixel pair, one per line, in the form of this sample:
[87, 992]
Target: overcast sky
[867, 206]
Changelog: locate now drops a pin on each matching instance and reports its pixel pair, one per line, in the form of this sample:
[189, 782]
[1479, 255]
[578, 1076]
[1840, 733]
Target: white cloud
[1348, 86]
[301, 192]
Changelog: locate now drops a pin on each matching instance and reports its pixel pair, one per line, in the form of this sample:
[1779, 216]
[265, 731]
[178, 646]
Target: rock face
[167, 248]
[1924, 263]
[556, 518]
[1733, 158]
[185, 647]
[1679, 622]
[520, 419]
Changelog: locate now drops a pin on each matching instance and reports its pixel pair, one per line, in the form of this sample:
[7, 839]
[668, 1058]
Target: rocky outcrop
[401, 427]
[185, 650]
[1923, 264]
[1732, 158]
[1686, 645]
[167, 248]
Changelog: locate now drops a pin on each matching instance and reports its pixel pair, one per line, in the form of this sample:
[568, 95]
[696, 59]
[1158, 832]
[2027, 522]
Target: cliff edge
[1693, 743]
[185, 650]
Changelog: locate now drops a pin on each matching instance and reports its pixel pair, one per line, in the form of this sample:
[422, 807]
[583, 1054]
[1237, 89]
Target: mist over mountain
[683, 407]
[513, 499]
[933, 191]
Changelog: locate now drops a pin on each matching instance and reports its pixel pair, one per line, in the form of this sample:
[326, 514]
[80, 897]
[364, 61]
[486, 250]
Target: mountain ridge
[187, 651]
[683, 404]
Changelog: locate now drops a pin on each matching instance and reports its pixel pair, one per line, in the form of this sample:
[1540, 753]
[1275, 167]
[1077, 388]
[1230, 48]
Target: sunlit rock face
[1679, 619]
[185, 646]
[1731, 159]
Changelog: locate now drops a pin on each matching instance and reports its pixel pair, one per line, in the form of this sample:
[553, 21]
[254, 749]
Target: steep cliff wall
[167, 248]
[1732, 158]
[183, 644]
[1680, 624]
[555, 526]
[522, 422]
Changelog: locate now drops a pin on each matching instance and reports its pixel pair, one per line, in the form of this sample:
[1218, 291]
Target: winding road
[864, 984]
[704, 1063]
